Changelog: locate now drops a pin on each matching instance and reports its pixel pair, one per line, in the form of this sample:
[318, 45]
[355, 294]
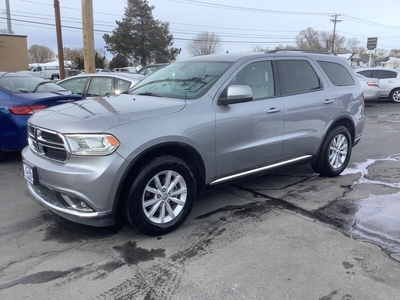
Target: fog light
[75, 203]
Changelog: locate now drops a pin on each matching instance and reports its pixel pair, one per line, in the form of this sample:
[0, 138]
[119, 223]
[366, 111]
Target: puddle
[362, 168]
[378, 220]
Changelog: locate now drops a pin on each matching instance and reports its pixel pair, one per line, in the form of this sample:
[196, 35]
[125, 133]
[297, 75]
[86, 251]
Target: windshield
[182, 80]
[29, 84]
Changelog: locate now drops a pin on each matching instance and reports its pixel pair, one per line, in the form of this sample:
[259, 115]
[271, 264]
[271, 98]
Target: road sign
[371, 43]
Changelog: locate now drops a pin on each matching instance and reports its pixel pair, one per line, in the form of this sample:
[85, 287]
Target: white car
[370, 87]
[389, 81]
[100, 84]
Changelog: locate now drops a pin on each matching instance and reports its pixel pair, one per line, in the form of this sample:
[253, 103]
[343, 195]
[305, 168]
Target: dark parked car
[190, 126]
[100, 84]
[20, 96]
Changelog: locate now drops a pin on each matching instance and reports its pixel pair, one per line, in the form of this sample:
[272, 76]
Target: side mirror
[236, 94]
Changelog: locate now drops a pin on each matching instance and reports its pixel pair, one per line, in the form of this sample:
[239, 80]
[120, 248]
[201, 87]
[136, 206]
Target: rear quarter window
[383, 74]
[337, 73]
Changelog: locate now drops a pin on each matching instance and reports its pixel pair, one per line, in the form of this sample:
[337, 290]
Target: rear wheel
[395, 95]
[54, 77]
[335, 153]
[161, 196]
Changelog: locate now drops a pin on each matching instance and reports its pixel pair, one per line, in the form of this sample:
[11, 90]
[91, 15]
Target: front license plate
[30, 173]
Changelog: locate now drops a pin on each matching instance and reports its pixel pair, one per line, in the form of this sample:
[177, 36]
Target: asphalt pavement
[288, 235]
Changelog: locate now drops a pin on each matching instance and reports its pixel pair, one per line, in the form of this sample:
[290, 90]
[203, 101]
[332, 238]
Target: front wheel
[335, 153]
[161, 196]
[395, 96]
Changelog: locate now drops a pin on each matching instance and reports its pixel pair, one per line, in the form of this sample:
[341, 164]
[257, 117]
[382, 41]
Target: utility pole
[9, 29]
[335, 20]
[59, 39]
[88, 36]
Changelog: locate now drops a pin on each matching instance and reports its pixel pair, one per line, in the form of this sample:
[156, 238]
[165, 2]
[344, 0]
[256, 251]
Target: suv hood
[99, 114]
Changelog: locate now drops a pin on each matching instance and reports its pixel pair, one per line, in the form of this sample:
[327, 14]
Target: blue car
[20, 96]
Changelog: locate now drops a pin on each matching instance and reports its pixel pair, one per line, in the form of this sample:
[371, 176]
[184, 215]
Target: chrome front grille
[47, 143]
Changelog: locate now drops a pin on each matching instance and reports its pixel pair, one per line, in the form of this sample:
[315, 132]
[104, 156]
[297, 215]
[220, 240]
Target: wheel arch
[397, 88]
[346, 122]
[183, 151]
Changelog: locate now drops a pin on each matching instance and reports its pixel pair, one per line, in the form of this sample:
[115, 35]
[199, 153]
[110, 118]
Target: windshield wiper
[149, 94]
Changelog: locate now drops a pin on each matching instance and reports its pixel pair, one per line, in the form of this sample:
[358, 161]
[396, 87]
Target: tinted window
[383, 74]
[298, 76]
[336, 73]
[367, 73]
[259, 77]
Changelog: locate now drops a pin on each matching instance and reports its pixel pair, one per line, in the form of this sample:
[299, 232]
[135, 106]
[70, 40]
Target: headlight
[91, 144]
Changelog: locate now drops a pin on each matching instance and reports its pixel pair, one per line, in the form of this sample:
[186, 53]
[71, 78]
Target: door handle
[329, 101]
[273, 110]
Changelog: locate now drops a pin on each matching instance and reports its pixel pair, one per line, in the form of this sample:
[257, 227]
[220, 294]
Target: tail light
[25, 110]
[373, 84]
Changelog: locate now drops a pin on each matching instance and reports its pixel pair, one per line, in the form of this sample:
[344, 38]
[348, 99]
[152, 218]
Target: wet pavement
[288, 235]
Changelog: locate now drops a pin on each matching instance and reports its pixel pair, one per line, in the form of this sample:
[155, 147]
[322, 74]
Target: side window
[75, 85]
[100, 86]
[298, 76]
[37, 69]
[121, 86]
[383, 74]
[367, 73]
[337, 73]
[259, 77]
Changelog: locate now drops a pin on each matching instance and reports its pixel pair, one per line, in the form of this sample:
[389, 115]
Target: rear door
[387, 80]
[308, 107]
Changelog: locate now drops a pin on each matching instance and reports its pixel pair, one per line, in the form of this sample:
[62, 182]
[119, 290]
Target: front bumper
[93, 181]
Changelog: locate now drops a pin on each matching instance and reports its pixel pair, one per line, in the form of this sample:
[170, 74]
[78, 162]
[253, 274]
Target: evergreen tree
[141, 38]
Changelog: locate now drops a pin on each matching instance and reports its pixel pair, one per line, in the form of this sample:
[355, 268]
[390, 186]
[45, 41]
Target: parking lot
[288, 235]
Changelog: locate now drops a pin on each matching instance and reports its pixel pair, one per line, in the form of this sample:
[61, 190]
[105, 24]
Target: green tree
[77, 57]
[118, 61]
[140, 37]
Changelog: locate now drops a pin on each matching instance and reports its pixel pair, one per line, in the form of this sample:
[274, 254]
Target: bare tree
[394, 53]
[309, 39]
[40, 54]
[204, 43]
[257, 48]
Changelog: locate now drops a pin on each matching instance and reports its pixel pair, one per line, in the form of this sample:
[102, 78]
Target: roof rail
[299, 50]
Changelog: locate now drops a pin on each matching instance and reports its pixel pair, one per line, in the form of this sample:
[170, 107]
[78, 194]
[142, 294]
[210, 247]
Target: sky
[241, 25]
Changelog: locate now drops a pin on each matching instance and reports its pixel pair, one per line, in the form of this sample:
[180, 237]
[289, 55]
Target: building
[13, 53]
[393, 62]
[353, 59]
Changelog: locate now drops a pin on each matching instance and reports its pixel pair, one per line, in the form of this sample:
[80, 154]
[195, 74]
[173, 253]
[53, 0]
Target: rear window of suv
[336, 73]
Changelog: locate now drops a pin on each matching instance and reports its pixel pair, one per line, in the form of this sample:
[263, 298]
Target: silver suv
[194, 124]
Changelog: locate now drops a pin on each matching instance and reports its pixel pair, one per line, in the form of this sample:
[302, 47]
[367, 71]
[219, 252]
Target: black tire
[335, 153]
[395, 95]
[54, 77]
[160, 198]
